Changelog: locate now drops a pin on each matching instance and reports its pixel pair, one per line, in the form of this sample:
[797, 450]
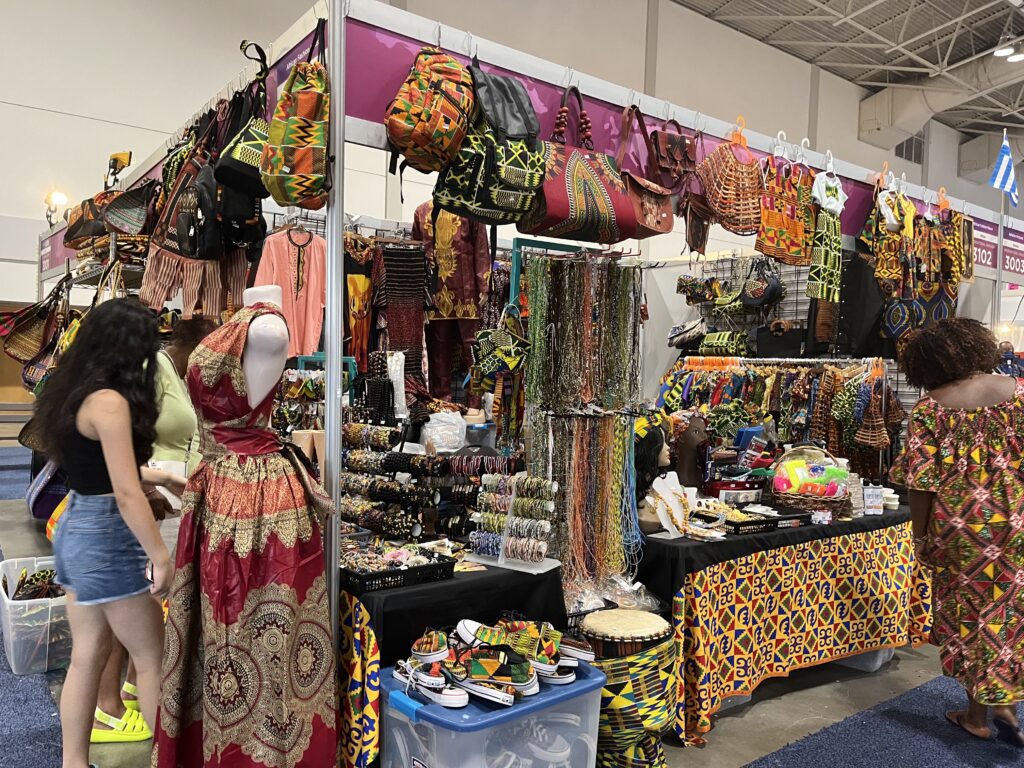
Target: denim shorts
[96, 555]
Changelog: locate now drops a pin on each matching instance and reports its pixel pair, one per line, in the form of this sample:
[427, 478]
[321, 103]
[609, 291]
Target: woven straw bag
[733, 189]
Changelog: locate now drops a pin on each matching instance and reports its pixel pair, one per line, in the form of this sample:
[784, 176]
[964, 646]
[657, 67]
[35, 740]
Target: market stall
[752, 607]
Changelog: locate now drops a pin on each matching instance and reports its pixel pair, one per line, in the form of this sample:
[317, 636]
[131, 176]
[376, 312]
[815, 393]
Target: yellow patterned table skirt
[358, 686]
[768, 613]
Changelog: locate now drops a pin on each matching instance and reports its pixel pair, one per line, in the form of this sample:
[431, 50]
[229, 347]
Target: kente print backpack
[500, 166]
[294, 166]
[431, 113]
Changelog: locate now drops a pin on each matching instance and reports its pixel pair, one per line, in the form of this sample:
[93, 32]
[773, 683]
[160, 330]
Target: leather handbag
[238, 166]
[685, 334]
[583, 196]
[763, 287]
[85, 220]
[675, 153]
[693, 207]
[131, 213]
[652, 203]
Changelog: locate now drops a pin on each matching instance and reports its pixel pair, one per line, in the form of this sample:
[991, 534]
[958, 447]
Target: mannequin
[266, 346]
[688, 448]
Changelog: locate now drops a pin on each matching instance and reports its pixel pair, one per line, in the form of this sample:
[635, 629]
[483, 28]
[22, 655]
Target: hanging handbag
[294, 165]
[46, 491]
[900, 317]
[85, 220]
[733, 189]
[698, 290]
[197, 227]
[675, 154]
[652, 203]
[778, 339]
[33, 330]
[763, 287]
[685, 334]
[165, 234]
[583, 197]
[937, 301]
[131, 211]
[725, 344]
[499, 167]
[238, 166]
[693, 206]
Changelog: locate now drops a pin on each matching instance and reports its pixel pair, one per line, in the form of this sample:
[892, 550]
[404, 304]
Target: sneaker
[431, 647]
[493, 692]
[576, 647]
[547, 745]
[473, 633]
[561, 676]
[430, 675]
[539, 642]
[497, 664]
[447, 696]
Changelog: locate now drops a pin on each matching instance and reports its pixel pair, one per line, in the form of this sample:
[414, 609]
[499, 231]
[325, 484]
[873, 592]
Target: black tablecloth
[666, 562]
[400, 615]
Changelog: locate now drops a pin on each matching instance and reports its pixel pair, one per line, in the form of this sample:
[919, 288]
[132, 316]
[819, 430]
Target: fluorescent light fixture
[1017, 56]
[1005, 47]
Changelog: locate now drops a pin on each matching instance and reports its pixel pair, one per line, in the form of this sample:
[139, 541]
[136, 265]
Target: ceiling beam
[901, 46]
[874, 67]
[857, 12]
[825, 43]
[911, 87]
[955, 35]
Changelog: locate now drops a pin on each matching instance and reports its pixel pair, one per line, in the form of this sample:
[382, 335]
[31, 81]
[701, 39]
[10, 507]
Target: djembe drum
[637, 654]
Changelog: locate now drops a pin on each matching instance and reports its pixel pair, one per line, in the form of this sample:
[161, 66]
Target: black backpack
[198, 228]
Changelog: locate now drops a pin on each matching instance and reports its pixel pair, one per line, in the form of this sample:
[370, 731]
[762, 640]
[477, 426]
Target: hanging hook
[830, 165]
[437, 36]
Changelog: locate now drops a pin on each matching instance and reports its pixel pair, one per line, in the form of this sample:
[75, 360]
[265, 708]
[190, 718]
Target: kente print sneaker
[575, 647]
[431, 647]
[537, 642]
[473, 633]
[447, 695]
[498, 693]
[498, 664]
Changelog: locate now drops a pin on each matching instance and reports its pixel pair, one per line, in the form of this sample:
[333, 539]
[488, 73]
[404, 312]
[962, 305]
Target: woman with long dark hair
[97, 418]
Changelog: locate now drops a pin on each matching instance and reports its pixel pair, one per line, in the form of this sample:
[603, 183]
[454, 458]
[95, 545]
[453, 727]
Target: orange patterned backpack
[431, 113]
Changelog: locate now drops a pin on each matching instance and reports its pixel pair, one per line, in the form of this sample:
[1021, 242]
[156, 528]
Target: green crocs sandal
[132, 727]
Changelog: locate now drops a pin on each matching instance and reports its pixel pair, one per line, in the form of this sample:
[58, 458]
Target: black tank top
[85, 467]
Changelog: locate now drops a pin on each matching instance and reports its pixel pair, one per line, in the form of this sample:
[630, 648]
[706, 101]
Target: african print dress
[971, 461]
[248, 670]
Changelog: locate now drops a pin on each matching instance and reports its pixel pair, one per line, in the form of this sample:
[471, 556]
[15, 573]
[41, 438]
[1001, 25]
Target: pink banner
[53, 253]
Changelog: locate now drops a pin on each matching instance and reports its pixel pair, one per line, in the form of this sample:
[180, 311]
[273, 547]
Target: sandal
[132, 727]
[129, 689]
[1009, 733]
[958, 718]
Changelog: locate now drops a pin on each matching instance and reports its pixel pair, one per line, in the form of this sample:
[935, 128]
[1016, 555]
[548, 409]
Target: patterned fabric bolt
[971, 461]
[359, 656]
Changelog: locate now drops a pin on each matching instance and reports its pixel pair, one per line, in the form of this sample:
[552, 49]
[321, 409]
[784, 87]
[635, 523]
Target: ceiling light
[1005, 47]
[1017, 56]
[1004, 329]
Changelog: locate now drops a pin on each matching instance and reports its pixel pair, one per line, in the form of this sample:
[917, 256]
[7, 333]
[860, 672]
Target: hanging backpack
[500, 166]
[430, 116]
[239, 164]
[294, 165]
[197, 228]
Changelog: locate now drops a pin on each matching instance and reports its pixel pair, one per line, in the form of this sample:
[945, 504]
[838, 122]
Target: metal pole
[997, 293]
[330, 466]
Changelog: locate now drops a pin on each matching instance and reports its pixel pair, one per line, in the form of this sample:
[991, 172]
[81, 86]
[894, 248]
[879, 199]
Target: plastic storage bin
[558, 726]
[483, 435]
[37, 636]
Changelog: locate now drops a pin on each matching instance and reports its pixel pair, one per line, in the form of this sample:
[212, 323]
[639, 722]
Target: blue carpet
[14, 472]
[909, 731]
[29, 721]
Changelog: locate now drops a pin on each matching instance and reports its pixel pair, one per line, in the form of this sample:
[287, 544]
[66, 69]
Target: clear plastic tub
[482, 434]
[558, 726]
[37, 637]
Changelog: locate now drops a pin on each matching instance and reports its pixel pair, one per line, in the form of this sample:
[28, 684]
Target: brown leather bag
[652, 203]
[676, 154]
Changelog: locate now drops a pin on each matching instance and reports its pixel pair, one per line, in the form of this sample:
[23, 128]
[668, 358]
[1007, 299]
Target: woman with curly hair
[962, 466]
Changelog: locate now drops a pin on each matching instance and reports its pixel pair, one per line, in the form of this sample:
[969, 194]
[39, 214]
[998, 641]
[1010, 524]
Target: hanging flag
[1002, 175]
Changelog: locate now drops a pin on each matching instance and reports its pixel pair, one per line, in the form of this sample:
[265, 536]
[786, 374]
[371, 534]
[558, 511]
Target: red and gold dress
[248, 671]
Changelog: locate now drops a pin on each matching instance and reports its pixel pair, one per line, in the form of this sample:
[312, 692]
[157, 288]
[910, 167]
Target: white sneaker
[448, 696]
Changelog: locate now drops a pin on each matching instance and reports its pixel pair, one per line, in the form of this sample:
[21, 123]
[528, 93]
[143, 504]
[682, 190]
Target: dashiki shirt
[971, 460]
[460, 257]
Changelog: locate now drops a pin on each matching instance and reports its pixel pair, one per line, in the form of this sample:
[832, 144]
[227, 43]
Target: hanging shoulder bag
[583, 197]
[733, 189]
[763, 287]
[725, 344]
[34, 328]
[238, 166]
[46, 491]
[652, 203]
[499, 167]
[85, 220]
[693, 206]
[132, 212]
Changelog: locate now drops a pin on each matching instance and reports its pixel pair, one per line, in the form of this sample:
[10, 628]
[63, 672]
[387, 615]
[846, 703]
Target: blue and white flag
[1002, 175]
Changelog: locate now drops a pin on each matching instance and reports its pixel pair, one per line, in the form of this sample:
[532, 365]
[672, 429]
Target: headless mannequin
[266, 346]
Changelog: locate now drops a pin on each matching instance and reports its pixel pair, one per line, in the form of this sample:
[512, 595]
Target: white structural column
[334, 331]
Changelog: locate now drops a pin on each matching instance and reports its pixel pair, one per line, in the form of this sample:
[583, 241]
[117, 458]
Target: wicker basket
[803, 501]
[733, 189]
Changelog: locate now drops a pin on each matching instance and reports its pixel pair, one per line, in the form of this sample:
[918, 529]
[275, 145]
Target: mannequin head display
[691, 432]
[651, 454]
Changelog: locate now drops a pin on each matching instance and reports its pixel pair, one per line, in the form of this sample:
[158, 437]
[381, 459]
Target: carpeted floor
[14, 472]
[909, 730]
[29, 721]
